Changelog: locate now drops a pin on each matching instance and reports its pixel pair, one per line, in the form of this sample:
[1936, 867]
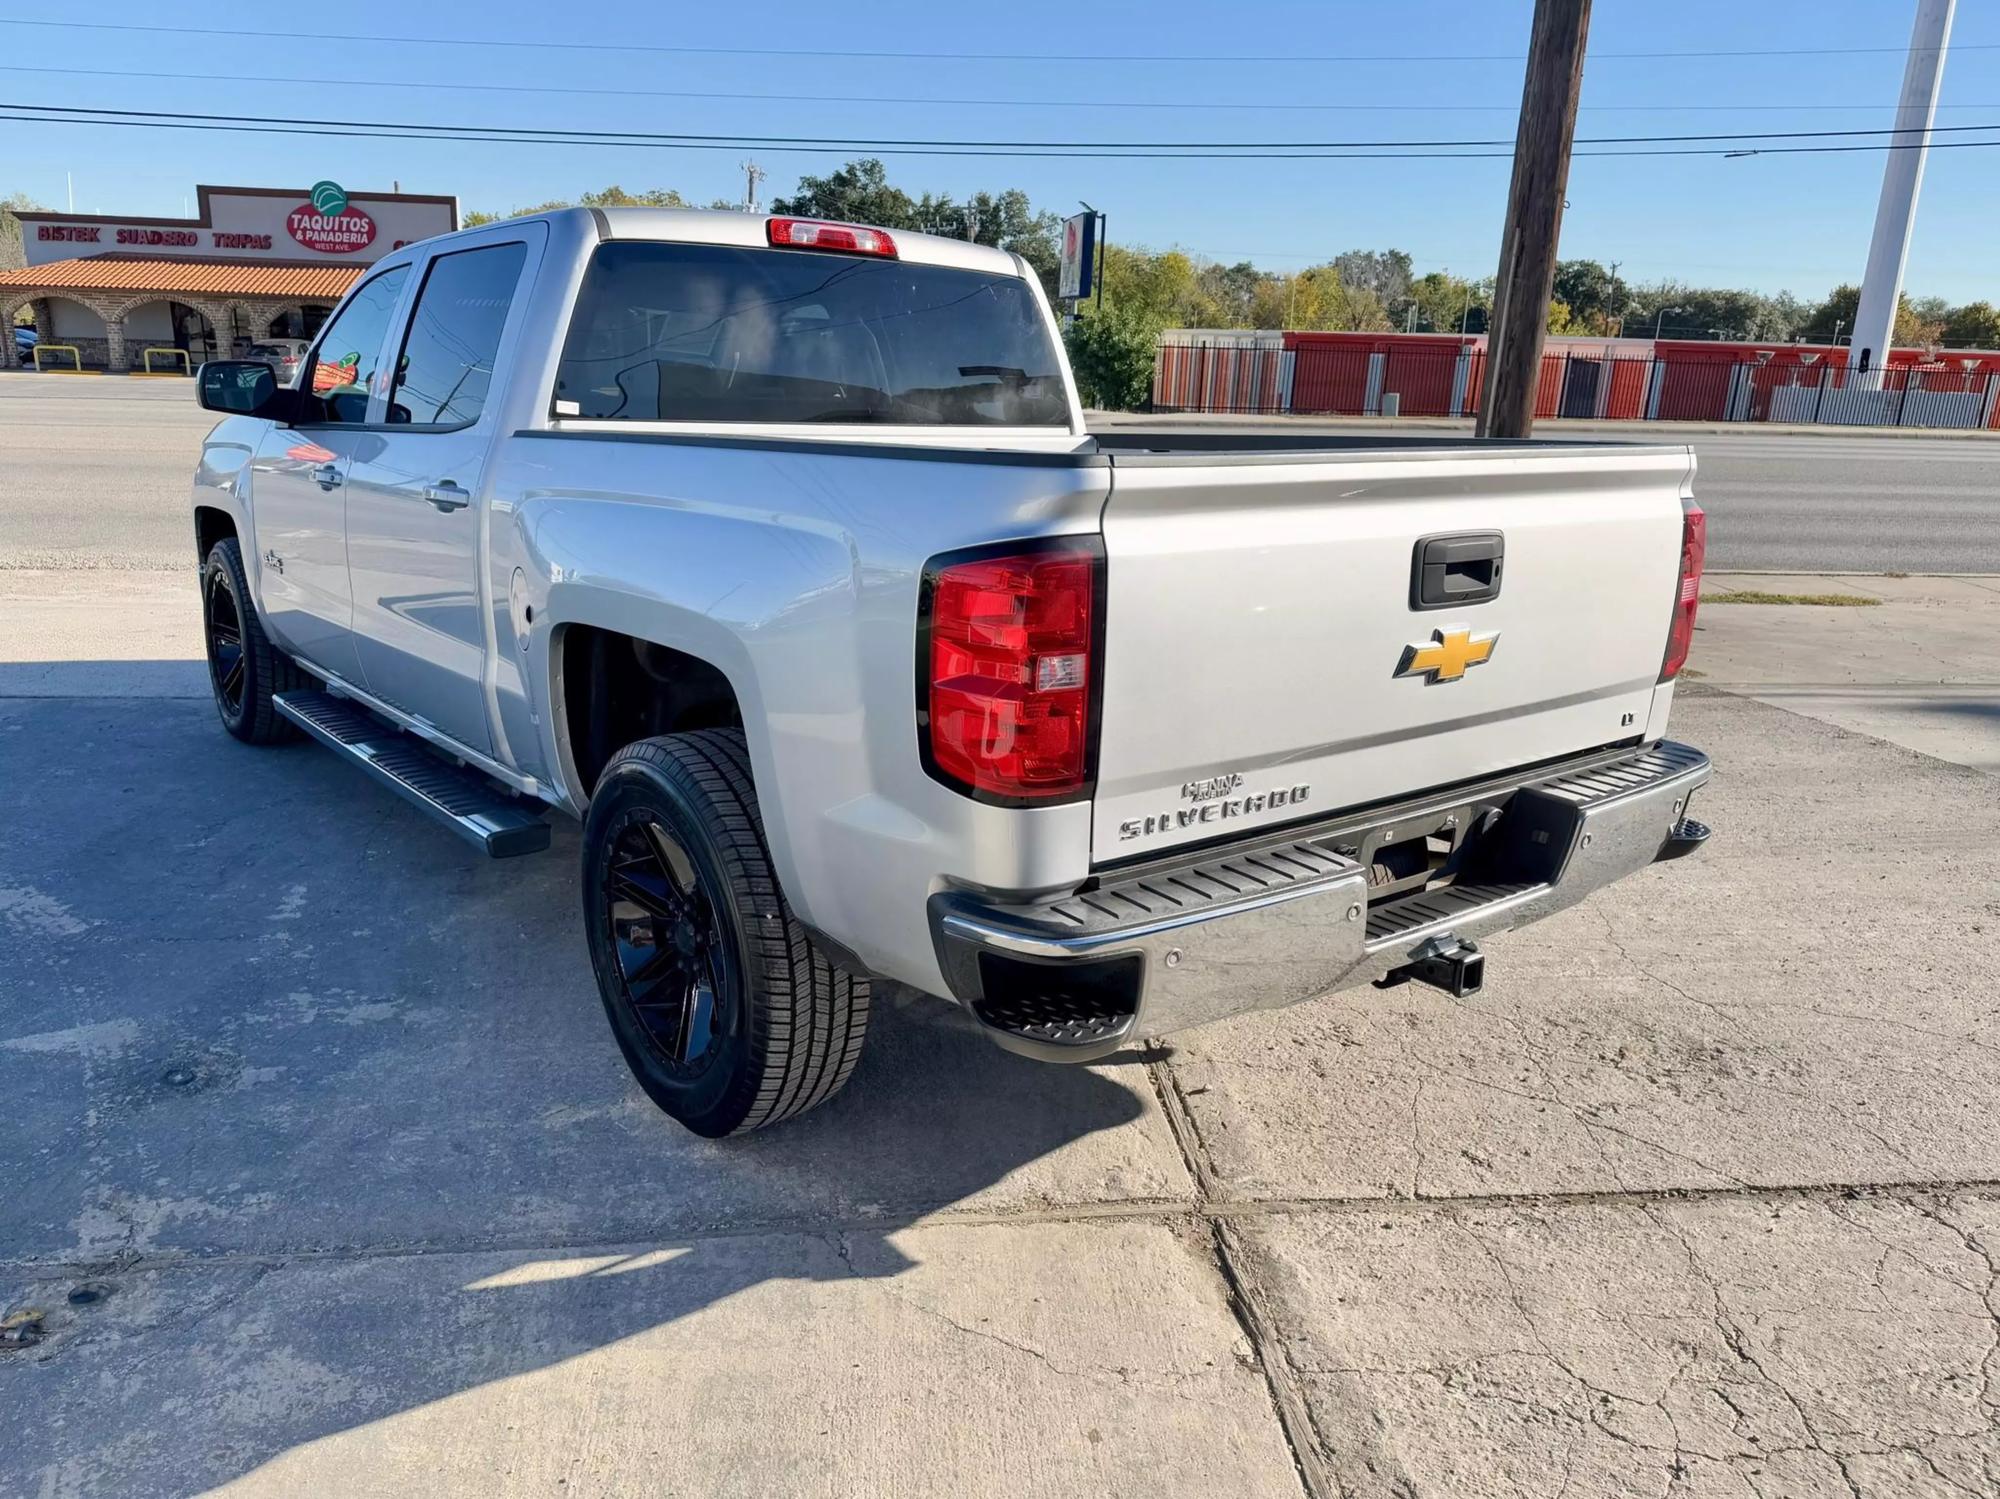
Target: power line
[1223, 149]
[1175, 106]
[492, 136]
[1038, 57]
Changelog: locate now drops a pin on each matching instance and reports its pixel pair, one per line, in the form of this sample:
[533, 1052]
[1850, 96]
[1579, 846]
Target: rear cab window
[724, 334]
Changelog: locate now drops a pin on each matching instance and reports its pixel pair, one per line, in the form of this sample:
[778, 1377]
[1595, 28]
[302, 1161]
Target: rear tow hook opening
[1458, 968]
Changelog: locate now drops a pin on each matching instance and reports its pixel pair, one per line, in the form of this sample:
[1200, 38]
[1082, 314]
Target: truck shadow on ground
[325, 1107]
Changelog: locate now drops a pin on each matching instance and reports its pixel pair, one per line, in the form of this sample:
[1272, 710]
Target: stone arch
[221, 315]
[257, 318]
[11, 303]
[125, 305]
[111, 338]
[136, 342]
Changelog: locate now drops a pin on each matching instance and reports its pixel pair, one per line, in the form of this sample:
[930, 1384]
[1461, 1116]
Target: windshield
[716, 333]
[272, 351]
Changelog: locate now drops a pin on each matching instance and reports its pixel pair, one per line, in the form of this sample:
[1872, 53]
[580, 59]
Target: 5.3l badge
[1447, 655]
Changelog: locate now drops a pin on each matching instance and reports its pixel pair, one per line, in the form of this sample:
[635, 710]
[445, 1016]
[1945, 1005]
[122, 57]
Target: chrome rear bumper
[1271, 923]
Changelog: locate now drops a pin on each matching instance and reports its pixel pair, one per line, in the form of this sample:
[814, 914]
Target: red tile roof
[209, 278]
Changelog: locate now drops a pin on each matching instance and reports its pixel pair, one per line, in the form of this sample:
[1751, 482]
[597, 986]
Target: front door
[298, 494]
[415, 503]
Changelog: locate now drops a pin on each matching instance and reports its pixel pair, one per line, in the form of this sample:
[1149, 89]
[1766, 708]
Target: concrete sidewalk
[1920, 668]
[322, 1174]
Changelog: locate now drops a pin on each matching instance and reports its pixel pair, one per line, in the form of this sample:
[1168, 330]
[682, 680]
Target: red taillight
[816, 234]
[1008, 672]
[1694, 549]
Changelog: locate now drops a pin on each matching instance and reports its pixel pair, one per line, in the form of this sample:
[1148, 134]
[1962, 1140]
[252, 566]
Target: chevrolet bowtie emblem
[1447, 654]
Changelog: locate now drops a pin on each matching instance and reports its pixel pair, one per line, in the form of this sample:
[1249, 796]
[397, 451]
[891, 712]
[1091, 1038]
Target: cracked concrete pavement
[322, 1175]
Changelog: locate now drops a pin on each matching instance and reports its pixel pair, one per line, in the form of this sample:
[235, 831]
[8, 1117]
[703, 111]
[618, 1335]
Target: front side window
[720, 333]
[344, 364]
[447, 361]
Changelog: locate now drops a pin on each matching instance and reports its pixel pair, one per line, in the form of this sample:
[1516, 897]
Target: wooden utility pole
[1534, 218]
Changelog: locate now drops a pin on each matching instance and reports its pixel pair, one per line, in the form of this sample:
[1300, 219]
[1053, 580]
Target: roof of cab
[707, 226]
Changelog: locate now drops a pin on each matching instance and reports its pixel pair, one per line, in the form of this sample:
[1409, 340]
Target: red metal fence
[1352, 379]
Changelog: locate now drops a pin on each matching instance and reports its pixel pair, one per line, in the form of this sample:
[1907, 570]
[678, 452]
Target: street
[1826, 501]
[323, 1173]
[98, 471]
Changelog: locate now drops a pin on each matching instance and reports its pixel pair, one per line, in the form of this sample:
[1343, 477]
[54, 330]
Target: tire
[245, 671]
[742, 1027]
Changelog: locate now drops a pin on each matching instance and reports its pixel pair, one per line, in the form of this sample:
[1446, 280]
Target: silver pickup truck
[776, 551]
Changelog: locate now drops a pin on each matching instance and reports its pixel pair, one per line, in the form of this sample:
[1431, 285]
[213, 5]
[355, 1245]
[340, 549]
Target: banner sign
[329, 223]
[324, 221]
[1079, 257]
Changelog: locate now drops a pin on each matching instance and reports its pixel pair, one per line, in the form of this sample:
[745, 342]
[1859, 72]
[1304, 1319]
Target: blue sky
[1774, 222]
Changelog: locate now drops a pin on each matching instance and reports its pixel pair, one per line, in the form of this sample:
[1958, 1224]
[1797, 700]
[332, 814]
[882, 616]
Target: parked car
[25, 340]
[283, 355]
[777, 552]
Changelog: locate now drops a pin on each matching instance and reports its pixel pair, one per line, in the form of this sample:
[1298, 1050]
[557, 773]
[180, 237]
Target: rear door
[298, 483]
[415, 511]
[1267, 659]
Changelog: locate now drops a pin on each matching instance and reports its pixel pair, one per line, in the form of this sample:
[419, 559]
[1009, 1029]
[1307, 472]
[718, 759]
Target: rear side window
[447, 360]
[717, 333]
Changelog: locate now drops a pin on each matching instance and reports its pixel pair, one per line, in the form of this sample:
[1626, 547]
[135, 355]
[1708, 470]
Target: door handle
[1448, 572]
[327, 476]
[447, 496]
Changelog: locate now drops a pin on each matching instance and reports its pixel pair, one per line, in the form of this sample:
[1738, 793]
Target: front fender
[222, 482]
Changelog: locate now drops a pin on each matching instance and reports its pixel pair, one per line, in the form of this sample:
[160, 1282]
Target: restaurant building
[253, 263]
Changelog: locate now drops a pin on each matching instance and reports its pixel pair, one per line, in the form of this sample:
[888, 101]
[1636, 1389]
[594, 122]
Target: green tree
[1111, 353]
[1675, 310]
[858, 193]
[610, 197]
[1006, 220]
[1163, 286]
[1597, 298]
[1838, 310]
[1449, 304]
[1383, 274]
[1231, 290]
[11, 257]
[1976, 325]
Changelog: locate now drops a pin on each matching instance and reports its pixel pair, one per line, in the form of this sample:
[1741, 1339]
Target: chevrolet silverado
[777, 552]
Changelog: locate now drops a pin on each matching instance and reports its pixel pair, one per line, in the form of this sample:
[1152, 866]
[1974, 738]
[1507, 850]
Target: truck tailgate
[1259, 611]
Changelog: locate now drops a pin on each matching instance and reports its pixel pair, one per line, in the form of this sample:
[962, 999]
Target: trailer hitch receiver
[1458, 968]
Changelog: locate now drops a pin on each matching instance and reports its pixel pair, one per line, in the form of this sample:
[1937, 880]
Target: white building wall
[151, 324]
[74, 320]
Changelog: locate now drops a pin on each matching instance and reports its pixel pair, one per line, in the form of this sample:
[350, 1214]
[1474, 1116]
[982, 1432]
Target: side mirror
[243, 387]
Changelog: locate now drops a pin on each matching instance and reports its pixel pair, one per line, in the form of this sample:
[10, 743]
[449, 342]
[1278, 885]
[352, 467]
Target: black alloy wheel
[727, 1013]
[244, 668]
[673, 957]
[223, 618]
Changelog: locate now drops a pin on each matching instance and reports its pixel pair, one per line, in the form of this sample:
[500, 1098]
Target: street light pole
[1902, 177]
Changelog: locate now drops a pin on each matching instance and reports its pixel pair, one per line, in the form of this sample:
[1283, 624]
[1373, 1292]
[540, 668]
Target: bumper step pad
[1290, 916]
[462, 799]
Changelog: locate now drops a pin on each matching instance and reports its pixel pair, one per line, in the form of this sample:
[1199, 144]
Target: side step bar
[462, 799]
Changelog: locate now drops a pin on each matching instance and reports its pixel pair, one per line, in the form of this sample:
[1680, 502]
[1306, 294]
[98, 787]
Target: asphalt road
[96, 476]
[1851, 503]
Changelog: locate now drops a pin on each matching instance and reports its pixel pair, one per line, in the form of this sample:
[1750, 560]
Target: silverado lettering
[1238, 806]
